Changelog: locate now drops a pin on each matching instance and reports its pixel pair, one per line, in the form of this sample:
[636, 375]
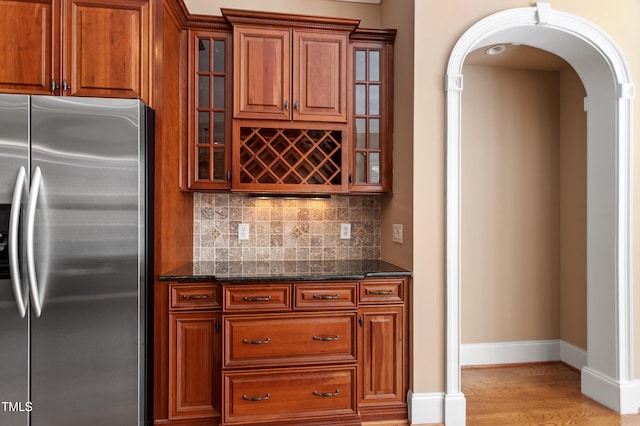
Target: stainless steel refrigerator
[75, 261]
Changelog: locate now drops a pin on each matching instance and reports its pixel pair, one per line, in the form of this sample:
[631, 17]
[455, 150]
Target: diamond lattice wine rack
[289, 159]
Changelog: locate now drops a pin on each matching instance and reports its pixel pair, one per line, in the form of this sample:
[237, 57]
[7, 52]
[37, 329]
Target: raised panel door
[29, 47]
[194, 364]
[382, 366]
[319, 76]
[262, 59]
[106, 48]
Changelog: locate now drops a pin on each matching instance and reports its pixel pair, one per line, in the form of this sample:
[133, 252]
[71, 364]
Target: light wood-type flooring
[533, 394]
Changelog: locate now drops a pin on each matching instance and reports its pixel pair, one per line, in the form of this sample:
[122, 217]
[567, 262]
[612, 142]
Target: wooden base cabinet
[310, 353]
[194, 353]
[383, 350]
[288, 353]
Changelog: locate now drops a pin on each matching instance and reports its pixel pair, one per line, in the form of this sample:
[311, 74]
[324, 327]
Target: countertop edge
[308, 276]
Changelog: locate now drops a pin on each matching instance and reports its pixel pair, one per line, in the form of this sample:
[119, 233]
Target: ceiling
[518, 56]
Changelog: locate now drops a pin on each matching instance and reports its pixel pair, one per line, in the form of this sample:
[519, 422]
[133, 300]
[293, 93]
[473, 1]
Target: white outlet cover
[397, 233]
[243, 231]
[345, 231]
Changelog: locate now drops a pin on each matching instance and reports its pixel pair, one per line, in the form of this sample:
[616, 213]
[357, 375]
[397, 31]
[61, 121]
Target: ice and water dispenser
[5, 210]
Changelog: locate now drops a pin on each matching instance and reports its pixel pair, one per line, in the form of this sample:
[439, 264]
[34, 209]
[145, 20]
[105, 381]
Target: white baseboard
[621, 397]
[528, 351]
[437, 407]
[425, 408]
[573, 355]
[509, 352]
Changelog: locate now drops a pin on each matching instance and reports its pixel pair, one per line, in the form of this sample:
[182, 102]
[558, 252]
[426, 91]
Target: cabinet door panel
[320, 64]
[105, 48]
[382, 357]
[29, 35]
[262, 59]
[194, 365]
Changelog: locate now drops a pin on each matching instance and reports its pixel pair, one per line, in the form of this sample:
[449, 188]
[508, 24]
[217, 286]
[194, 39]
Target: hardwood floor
[533, 394]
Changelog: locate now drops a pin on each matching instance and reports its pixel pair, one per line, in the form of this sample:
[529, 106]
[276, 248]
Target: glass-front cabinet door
[210, 103]
[372, 129]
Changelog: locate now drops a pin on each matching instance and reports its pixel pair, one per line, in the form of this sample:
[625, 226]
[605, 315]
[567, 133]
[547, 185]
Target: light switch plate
[345, 231]
[397, 233]
[243, 231]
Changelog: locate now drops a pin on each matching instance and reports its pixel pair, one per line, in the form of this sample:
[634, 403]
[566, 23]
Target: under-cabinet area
[313, 349]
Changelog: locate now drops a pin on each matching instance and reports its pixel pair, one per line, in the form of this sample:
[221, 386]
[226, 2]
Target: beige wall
[573, 211]
[524, 206]
[369, 14]
[399, 207]
[510, 281]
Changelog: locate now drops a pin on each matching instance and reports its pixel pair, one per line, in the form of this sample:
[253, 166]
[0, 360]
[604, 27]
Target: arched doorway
[608, 377]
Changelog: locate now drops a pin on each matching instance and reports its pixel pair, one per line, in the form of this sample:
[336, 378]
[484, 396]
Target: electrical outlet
[243, 231]
[345, 231]
[397, 233]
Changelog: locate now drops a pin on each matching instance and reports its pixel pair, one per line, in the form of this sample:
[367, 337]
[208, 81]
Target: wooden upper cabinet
[262, 59]
[371, 110]
[320, 76]
[30, 42]
[106, 48]
[209, 112]
[76, 47]
[290, 67]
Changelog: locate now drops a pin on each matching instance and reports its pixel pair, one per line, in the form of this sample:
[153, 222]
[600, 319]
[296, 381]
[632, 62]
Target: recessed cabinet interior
[76, 48]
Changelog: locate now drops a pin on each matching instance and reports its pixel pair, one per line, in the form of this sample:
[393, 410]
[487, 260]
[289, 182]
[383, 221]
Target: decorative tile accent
[305, 231]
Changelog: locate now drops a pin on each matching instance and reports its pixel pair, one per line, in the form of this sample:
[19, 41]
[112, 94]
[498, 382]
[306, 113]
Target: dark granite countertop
[287, 270]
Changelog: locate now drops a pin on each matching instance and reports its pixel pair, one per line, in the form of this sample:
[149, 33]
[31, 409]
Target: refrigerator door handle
[31, 265]
[14, 262]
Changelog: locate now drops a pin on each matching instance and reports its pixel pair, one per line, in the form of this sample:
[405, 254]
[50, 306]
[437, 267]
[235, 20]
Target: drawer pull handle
[195, 296]
[326, 339]
[327, 394]
[380, 292]
[257, 299]
[256, 342]
[327, 297]
[257, 398]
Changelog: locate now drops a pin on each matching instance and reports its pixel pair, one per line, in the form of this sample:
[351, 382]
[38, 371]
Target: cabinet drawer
[276, 340]
[323, 296]
[194, 296]
[288, 394]
[263, 297]
[381, 291]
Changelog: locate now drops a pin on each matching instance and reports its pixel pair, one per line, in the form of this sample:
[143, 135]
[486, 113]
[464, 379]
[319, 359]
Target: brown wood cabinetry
[209, 113]
[287, 74]
[280, 339]
[371, 110]
[76, 47]
[312, 101]
[383, 365]
[194, 351]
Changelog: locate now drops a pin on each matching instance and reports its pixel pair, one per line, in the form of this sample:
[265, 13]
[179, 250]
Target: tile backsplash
[285, 229]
